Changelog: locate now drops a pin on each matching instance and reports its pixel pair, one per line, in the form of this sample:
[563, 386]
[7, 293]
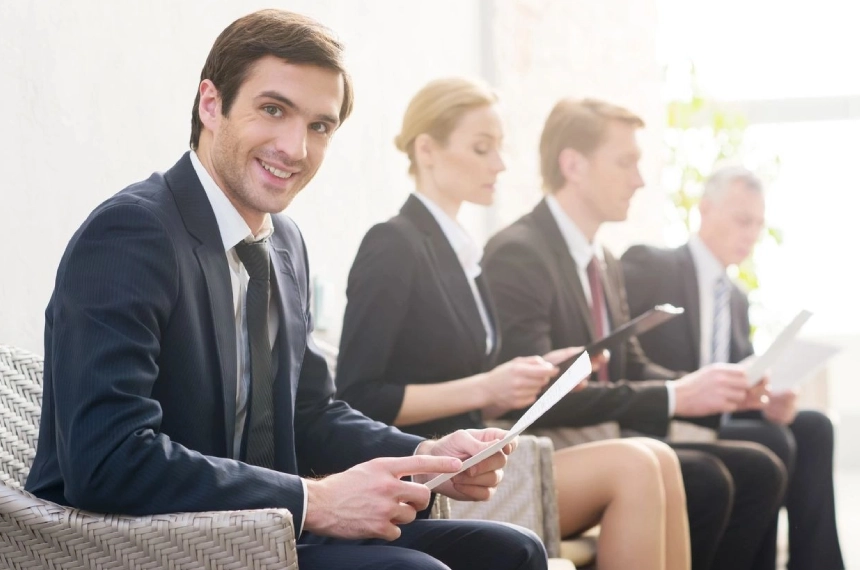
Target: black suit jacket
[410, 318]
[655, 276]
[542, 306]
[139, 397]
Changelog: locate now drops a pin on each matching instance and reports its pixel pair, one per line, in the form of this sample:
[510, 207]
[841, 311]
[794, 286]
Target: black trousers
[806, 449]
[734, 490]
[430, 545]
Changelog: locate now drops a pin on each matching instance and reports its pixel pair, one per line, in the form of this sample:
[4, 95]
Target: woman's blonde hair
[437, 108]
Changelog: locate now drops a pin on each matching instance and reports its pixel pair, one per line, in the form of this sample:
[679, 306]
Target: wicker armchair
[40, 534]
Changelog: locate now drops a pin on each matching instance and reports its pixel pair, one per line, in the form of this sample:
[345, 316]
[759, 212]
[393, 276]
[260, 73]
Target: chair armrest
[526, 495]
[37, 533]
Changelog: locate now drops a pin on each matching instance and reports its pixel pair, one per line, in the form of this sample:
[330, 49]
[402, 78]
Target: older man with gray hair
[716, 328]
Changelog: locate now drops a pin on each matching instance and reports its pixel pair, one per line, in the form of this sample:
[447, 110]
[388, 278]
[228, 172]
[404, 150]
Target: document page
[759, 366]
[799, 362]
[578, 371]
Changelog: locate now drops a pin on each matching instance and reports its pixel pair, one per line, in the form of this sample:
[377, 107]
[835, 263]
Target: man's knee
[759, 474]
[708, 483]
[780, 440]
[464, 544]
[811, 427]
[328, 556]
[520, 548]
[769, 467]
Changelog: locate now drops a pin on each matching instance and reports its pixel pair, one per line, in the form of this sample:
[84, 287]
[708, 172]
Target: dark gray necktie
[261, 443]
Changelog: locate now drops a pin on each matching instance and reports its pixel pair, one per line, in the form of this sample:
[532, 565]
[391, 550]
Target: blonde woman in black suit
[420, 342]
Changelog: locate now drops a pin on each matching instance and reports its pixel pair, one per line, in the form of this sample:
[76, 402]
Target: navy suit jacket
[139, 400]
[655, 276]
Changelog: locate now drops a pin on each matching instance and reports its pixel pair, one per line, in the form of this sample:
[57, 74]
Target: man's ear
[209, 107]
[572, 164]
[425, 150]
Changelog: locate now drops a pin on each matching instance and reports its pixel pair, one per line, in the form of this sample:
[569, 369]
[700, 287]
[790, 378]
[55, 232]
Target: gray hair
[720, 180]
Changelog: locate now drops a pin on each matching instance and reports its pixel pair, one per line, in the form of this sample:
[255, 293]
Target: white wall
[98, 94]
[547, 50]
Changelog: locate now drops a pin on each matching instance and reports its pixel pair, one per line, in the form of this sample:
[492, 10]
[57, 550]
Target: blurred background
[96, 95]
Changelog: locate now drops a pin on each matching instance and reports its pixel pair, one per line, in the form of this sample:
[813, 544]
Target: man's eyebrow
[325, 117]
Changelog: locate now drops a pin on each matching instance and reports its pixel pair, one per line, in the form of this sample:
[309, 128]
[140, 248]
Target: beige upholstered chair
[39, 534]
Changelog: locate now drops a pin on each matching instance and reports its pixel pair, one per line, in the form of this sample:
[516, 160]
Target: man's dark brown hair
[291, 37]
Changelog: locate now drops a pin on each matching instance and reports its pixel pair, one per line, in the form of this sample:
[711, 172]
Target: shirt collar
[708, 267]
[464, 246]
[580, 248]
[231, 225]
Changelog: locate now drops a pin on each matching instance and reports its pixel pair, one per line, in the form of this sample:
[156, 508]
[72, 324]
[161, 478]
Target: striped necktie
[721, 333]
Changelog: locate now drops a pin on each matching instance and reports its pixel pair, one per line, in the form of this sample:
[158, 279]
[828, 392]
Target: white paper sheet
[578, 371]
[799, 362]
[759, 366]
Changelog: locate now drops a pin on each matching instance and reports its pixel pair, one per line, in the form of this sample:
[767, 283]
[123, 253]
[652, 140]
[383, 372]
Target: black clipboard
[643, 323]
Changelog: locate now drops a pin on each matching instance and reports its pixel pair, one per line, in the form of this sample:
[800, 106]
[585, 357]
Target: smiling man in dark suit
[180, 372]
[555, 287]
[715, 327]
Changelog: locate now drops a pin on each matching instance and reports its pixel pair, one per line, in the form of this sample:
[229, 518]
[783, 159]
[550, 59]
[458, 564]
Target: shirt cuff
[305, 507]
[670, 392]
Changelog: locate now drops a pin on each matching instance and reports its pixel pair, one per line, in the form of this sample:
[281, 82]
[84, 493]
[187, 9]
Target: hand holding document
[578, 371]
[757, 367]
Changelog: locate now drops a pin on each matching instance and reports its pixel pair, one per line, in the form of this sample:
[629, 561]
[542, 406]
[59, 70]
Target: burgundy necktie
[597, 304]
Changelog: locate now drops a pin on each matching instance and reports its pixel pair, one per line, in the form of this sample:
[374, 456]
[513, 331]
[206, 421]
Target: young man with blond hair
[555, 287]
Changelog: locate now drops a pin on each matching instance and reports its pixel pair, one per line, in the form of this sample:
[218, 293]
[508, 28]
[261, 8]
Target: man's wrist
[312, 501]
[425, 447]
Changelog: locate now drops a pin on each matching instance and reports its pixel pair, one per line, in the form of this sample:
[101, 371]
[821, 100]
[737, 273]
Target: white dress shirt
[709, 271]
[582, 250]
[468, 253]
[234, 229]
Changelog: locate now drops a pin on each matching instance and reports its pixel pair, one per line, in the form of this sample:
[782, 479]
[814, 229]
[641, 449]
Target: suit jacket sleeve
[378, 291]
[522, 290]
[745, 346]
[114, 294]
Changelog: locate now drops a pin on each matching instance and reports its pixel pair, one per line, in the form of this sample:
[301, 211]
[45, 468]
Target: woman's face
[466, 167]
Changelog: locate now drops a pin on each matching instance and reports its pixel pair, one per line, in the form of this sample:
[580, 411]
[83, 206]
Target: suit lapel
[547, 225]
[449, 271]
[610, 288]
[691, 303]
[738, 349]
[200, 222]
[493, 316]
